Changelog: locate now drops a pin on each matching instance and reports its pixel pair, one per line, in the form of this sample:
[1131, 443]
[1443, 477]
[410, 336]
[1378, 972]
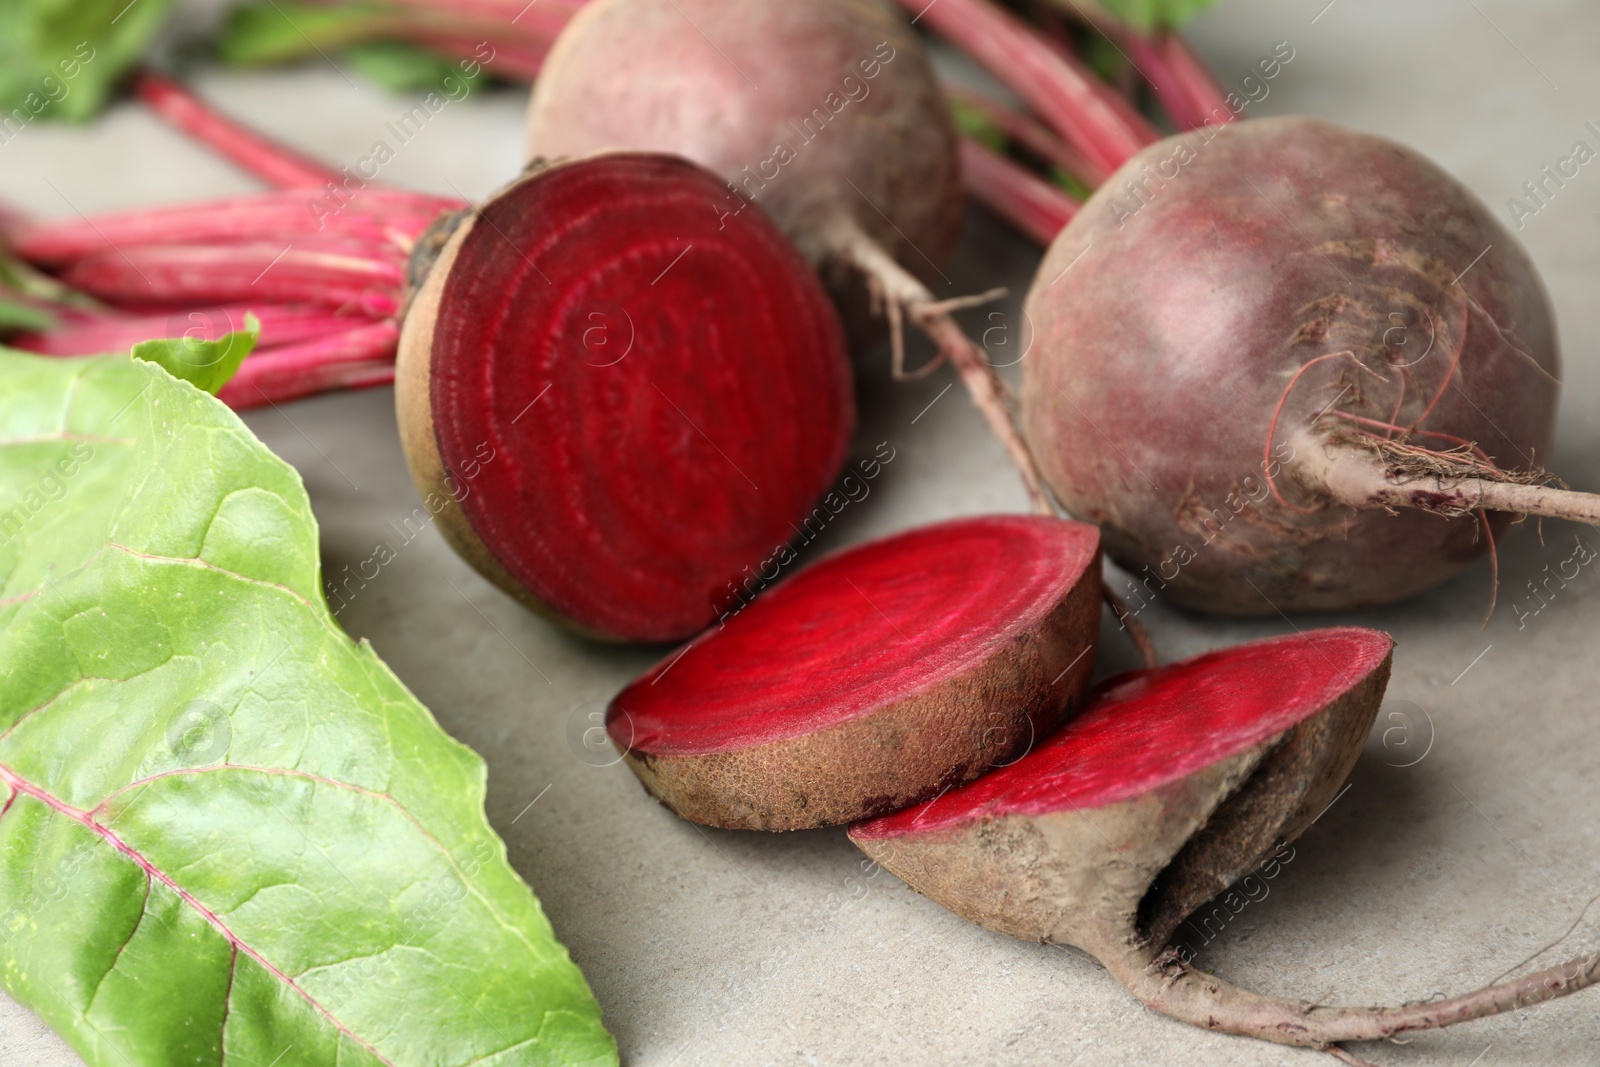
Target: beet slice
[873, 679]
[1173, 784]
[1196, 770]
[619, 398]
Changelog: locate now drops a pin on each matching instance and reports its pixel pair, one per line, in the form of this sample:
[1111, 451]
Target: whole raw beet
[826, 113]
[1172, 317]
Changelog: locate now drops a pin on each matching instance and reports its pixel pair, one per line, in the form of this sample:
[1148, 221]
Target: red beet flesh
[1173, 785]
[629, 399]
[1146, 729]
[1173, 314]
[873, 678]
[827, 114]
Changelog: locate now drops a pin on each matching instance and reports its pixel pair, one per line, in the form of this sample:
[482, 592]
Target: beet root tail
[1391, 474]
[1137, 634]
[1170, 986]
[903, 293]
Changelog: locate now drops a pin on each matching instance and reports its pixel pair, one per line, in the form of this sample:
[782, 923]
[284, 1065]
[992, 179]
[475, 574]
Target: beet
[1255, 343]
[728, 85]
[659, 394]
[826, 113]
[872, 679]
[614, 398]
[1169, 787]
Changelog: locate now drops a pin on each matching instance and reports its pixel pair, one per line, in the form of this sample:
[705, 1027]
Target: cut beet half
[618, 397]
[874, 679]
[1172, 785]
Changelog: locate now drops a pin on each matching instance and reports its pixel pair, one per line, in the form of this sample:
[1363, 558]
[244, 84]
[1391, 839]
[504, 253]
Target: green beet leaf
[29, 299]
[277, 31]
[60, 59]
[16, 315]
[401, 67]
[204, 364]
[230, 834]
[1148, 15]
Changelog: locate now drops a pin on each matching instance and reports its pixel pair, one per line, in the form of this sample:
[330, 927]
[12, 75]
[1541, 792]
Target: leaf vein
[64, 435]
[227, 1006]
[69, 687]
[110, 837]
[116, 957]
[337, 784]
[209, 566]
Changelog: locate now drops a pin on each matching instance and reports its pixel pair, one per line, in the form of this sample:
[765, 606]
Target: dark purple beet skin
[1166, 333]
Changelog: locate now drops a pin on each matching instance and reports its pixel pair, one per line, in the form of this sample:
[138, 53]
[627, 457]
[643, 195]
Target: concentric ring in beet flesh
[621, 393]
[872, 679]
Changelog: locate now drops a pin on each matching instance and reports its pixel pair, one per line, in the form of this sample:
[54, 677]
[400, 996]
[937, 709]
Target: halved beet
[873, 679]
[825, 113]
[1172, 785]
[619, 397]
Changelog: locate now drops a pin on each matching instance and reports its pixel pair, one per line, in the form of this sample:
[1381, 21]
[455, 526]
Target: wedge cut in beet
[873, 679]
[1172, 785]
[620, 398]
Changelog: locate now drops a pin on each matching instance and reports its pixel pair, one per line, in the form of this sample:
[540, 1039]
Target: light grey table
[709, 947]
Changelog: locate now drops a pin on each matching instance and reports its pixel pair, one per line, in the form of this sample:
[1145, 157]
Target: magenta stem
[1203, 90]
[354, 359]
[1086, 112]
[1031, 135]
[540, 20]
[266, 159]
[1186, 89]
[195, 274]
[372, 214]
[281, 324]
[1171, 91]
[1016, 194]
[517, 60]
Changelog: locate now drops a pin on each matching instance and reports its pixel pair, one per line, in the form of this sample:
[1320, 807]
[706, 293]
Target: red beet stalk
[1016, 194]
[280, 325]
[372, 216]
[270, 161]
[1012, 196]
[169, 274]
[351, 360]
[1191, 78]
[1083, 109]
[315, 294]
[316, 269]
[540, 21]
[1181, 106]
[1030, 134]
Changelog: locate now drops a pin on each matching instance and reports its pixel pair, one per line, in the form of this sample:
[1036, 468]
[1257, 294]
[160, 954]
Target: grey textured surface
[708, 947]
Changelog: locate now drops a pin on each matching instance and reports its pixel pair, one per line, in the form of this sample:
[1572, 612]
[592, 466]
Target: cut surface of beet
[872, 678]
[1143, 730]
[1173, 785]
[631, 398]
